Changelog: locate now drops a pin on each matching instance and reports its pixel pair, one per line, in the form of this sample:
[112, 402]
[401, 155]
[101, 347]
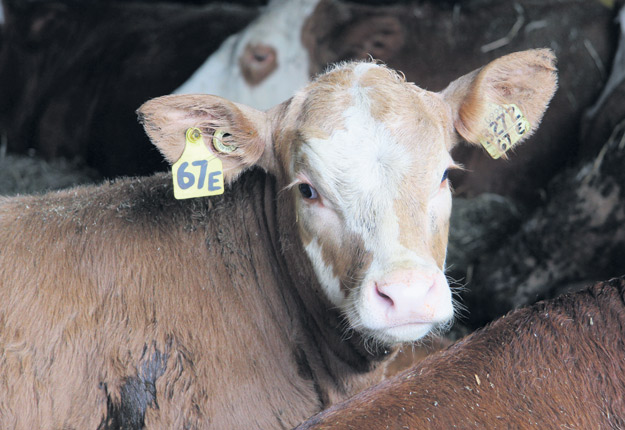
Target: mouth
[409, 332]
[401, 333]
[394, 333]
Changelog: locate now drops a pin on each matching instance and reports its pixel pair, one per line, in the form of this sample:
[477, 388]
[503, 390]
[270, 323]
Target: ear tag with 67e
[198, 172]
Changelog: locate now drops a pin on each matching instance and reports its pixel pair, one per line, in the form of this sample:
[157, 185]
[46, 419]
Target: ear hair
[526, 79]
[167, 118]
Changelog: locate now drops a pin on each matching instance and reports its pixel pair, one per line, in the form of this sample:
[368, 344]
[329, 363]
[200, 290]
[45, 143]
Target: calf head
[365, 156]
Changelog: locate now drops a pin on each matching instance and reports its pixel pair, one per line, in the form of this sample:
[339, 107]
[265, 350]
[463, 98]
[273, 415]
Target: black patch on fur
[136, 395]
[303, 367]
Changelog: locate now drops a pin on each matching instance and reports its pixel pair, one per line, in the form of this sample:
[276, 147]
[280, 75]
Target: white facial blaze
[360, 168]
[325, 274]
[280, 26]
[362, 172]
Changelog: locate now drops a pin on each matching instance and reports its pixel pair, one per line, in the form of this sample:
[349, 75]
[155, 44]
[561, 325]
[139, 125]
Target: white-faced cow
[123, 307]
[262, 65]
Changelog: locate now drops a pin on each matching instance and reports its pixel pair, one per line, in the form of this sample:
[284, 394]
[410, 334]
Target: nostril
[260, 57]
[432, 287]
[385, 297]
[257, 62]
[262, 53]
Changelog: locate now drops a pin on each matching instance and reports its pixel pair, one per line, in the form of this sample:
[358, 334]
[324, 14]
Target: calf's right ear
[235, 133]
[510, 94]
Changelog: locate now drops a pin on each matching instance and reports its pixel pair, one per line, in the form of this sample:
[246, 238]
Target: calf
[556, 364]
[123, 307]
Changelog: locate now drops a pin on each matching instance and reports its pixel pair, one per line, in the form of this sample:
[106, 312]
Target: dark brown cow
[557, 364]
[72, 74]
[123, 307]
[577, 236]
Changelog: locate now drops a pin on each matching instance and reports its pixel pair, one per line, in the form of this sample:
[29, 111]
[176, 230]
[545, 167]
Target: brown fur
[527, 79]
[557, 364]
[132, 275]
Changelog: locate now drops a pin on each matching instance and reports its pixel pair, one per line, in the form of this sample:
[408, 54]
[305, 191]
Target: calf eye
[444, 176]
[308, 192]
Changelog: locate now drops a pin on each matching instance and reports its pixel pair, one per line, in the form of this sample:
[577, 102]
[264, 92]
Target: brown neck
[340, 362]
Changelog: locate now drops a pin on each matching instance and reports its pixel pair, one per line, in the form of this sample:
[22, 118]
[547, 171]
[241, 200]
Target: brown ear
[526, 79]
[243, 130]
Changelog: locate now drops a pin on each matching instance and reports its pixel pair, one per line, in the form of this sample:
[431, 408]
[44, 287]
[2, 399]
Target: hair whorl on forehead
[353, 72]
[380, 88]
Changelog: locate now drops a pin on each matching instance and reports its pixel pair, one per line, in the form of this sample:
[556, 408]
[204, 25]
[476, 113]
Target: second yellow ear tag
[505, 126]
[198, 172]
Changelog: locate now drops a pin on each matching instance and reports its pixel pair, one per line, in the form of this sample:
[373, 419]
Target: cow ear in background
[242, 132]
[506, 97]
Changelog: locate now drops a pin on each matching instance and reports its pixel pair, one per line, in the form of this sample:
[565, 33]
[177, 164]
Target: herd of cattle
[282, 302]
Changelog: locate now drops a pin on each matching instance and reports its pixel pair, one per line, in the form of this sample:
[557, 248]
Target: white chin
[402, 333]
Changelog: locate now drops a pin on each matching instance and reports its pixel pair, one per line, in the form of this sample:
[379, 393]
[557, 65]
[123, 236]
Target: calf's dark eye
[307, 191]
[444, 176]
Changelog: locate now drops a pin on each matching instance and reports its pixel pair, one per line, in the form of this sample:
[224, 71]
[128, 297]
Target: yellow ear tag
[505, 126]
[198, 172]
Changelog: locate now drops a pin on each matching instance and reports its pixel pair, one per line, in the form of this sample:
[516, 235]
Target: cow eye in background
[308, 192]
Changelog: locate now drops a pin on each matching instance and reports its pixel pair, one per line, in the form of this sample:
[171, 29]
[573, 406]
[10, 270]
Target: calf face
[364, 157]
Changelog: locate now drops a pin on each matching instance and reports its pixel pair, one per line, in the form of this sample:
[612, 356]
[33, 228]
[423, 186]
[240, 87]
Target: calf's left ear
[505, 100]
[237, 134]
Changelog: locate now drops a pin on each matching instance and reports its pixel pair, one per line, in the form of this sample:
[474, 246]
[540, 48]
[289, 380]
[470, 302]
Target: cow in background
[262, 65]
[72, 74]
[82, 104]
[578, 235]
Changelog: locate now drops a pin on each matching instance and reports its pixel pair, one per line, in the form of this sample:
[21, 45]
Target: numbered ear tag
[505, 126]
[198, 172]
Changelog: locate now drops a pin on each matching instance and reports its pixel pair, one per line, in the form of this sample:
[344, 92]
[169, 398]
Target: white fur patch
[280, 26]
[325, 275]
[360, 171]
